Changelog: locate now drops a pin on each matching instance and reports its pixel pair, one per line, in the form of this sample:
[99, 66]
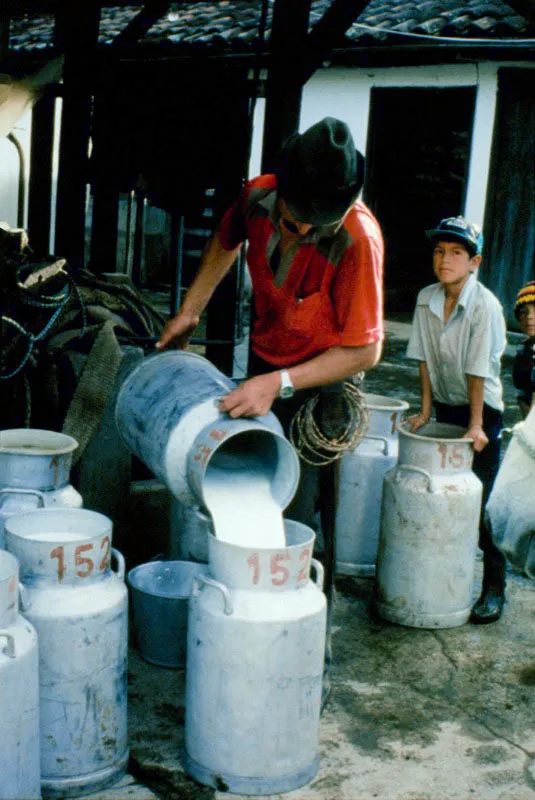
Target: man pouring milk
[315, 256]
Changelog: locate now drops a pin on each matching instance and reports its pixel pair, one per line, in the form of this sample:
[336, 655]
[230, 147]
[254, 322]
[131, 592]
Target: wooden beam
[151, 12]
[77, 36]
[328, 32]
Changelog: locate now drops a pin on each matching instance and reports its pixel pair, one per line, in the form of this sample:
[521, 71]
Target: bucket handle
[40, 496]
[431, 484]
[9, 648]
[382, 439]
[120, 572]
[228, 606]
[320, 573]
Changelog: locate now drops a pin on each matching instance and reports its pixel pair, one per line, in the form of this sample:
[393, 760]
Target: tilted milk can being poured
[167, 412]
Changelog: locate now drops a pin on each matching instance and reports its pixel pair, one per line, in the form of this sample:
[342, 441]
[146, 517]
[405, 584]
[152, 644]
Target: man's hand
[479, 436]
[417, 421]
[254, 397]
[178, 331]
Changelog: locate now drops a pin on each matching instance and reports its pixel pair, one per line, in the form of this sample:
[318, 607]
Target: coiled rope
[55, 303]
[311, 443]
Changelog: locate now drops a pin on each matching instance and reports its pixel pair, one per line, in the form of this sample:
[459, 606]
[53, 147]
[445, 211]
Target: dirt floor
[413, 715]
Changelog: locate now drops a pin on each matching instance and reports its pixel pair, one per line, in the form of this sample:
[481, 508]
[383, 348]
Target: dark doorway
[418, 155]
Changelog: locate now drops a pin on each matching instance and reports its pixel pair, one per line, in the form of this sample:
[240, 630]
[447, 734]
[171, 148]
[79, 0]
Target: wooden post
[40, 186]
[284, 89]
[77, 36]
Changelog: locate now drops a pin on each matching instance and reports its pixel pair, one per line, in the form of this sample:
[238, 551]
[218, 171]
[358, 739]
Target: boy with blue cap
[458, 336]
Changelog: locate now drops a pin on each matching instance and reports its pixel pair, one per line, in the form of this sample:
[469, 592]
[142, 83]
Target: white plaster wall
[9, 170]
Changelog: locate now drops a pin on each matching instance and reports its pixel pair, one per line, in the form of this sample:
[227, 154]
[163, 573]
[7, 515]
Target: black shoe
[489, 607]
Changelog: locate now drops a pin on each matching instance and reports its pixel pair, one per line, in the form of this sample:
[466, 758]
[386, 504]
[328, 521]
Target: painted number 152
[83, 557]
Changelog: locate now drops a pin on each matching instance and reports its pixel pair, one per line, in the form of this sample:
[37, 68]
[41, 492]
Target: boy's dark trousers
[485, 465]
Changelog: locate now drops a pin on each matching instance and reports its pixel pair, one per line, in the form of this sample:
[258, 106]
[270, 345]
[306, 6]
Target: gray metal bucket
[160, 592]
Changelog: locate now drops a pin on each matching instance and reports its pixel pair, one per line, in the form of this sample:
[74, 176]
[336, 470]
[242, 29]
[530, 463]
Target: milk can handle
[9, 649]
[431, 485]
[320, 573]
[382, 439]
[228, 607]
[120, 572]
[40, 496]
[24, 598]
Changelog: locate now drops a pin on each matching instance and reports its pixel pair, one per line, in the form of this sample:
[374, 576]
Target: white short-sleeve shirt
[471, 342]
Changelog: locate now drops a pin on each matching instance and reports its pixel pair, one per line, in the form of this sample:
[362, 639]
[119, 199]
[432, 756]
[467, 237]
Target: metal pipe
[21, 200]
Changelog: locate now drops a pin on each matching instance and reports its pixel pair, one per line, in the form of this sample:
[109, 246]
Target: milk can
[34, 472]
[256, 642]
[78, 606]
[429, 530]
[167, 412]
[19, 692]
[362, 473]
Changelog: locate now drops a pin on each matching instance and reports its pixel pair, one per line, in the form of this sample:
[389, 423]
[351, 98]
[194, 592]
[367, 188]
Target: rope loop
[312, 445]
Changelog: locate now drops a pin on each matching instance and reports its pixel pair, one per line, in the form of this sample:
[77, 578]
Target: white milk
[237, 493]
[59, 536]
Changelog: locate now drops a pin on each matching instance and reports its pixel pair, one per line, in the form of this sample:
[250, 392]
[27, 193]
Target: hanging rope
[311, 443]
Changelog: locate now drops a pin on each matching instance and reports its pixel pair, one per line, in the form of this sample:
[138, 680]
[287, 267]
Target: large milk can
[255, 653]
[429, 530]
[34, 472]
[167, 412]
[19, 692]
[78, 605]
[362, 472]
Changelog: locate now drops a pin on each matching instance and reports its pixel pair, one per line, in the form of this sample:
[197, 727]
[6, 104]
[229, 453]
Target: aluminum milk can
[429, 530]
[255, 653]
[78, 606]
[19, 692]
[34, 472]
[362, 472]
[167, 412]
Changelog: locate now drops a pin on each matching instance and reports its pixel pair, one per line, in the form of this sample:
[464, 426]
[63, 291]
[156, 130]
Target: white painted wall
[9, 169]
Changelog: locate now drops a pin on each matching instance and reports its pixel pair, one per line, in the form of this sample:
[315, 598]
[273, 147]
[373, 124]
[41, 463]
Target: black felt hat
[320, 172]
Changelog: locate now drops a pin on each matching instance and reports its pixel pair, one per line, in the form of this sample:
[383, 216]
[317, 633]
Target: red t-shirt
[332, 288]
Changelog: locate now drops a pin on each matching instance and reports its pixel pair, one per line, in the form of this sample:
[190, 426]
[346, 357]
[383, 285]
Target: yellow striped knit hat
[526, 295]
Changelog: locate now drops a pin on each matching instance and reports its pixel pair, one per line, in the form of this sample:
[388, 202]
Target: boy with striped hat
[524, 364]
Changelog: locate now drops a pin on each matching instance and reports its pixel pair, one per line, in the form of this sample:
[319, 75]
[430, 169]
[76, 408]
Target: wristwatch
[287, 387]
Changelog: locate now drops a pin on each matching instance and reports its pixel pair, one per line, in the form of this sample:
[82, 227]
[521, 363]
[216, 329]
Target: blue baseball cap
[458, 229]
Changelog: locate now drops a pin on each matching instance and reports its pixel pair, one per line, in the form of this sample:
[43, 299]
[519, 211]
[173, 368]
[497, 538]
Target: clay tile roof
[234, 24]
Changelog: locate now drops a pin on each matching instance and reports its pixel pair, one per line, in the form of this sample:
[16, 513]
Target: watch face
[286, 391]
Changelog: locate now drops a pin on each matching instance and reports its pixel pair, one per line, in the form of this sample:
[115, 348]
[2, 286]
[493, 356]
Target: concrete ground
[413, 715]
